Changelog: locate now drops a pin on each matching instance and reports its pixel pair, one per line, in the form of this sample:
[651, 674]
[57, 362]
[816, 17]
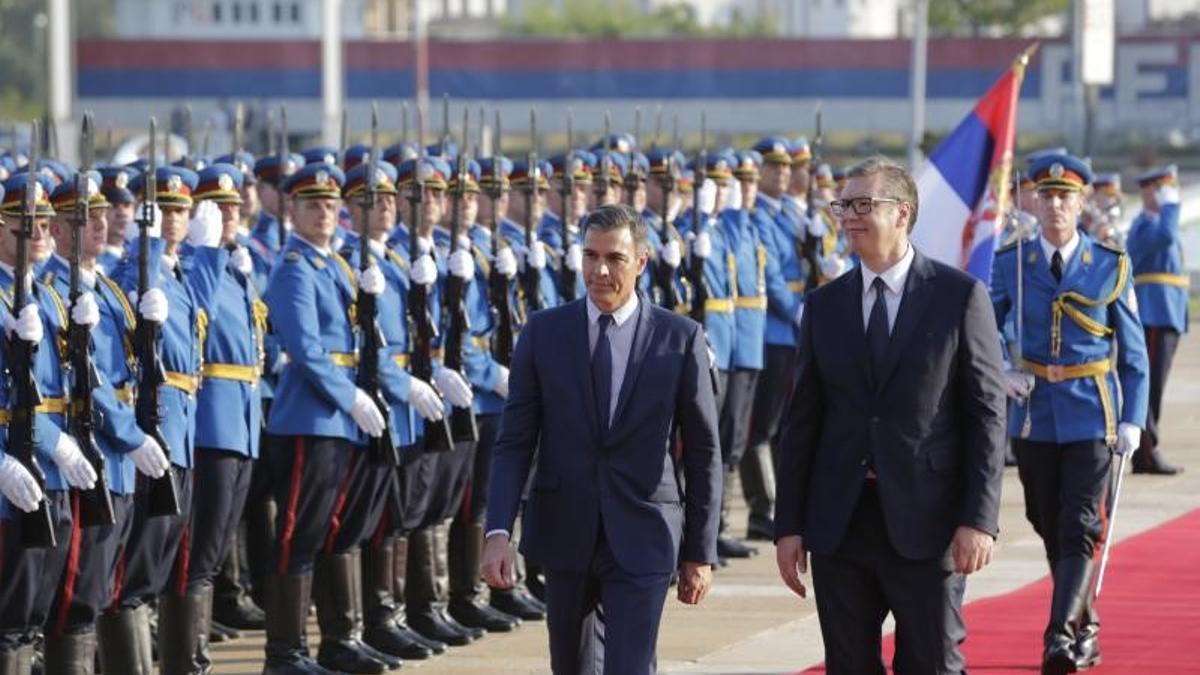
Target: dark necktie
[1056, 264]
[878, 334]
[602, 372]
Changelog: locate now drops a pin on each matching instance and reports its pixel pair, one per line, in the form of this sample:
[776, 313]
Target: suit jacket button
[862, 462]
[875, 419]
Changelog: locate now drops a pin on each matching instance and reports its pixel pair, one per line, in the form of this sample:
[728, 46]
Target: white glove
[75, 468]
[506, 263]
[817, 227]
[371, 280]
[152, 307]
[150, 459]
[1018, 384]
[708, 197]
[832, 267]
[27, 325]
[461, 264]
[802, 227]
[535, 257]
[464, 243]
[453, 387]
[701, 245]
[502, 382]
[18, 485]
[240, 258]
[670, 254]
[424, 271]
[425, 400]
[367, 415]
[1129, 437]
[1167, 194]
[205, 227]
[574, 258]
[85, 311]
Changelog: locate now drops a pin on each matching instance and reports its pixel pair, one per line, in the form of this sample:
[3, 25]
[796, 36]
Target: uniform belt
[1061, 373]
[1163, 278]
[50, 406]
[401, 360]
[719, 305]
[482, 342]
[343, 359]
[231, 371]
[796, 286]
[758, 302]
[185, 382]
[124, 394]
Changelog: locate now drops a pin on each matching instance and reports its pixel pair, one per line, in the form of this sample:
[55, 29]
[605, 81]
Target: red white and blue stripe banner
[963, 187]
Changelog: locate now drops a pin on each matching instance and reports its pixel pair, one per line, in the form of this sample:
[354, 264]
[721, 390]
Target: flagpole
[920, 45]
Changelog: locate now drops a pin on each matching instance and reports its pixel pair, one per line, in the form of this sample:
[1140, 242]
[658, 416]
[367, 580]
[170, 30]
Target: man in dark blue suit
[893, 453]
[602, 388]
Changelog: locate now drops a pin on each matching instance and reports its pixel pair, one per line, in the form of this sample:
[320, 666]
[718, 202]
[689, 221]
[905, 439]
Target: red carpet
[1149, 609]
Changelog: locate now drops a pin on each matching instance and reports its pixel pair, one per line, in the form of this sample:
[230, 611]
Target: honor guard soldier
[1081, 388]
[782, 233]
[410, 400]
[1155, 247]
[87, 584]
[181, 302]
[115, 188]
[32, 573]
[1102, 215]
[319, 413]
[670, 290]
[228, 419]
[271, 172]
[748, 271]
[512, 232]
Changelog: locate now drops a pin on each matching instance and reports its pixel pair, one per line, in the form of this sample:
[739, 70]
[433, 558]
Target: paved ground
[751, 624]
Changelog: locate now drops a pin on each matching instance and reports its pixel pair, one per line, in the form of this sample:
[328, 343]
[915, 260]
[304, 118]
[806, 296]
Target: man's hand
[792, 560]
[497, 564]
[694, 581]
[971, 548]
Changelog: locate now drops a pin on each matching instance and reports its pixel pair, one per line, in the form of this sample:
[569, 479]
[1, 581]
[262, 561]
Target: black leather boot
[424, 614]
[1149, 460]
[231, 607]
[519, 602]
[466, 606]
[399, 584]
[1072, 577]
[287, 598]
[727, 546]
[1087, 636]
[69, 654]
[18, 661]
[341, 649]
[124, 642]
[380, 630]
[181, 620]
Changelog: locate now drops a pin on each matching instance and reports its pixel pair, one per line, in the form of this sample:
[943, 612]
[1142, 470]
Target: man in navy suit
[601, 388]
[893, 453]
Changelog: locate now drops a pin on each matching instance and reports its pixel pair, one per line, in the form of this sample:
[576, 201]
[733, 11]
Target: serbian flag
[963, 186]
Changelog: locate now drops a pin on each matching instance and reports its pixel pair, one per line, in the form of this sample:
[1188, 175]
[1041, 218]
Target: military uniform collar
[87, 278]
[1066, 250]
[323, 252]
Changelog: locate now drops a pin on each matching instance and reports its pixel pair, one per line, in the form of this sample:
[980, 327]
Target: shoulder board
[1013, 246]
[1111, 247]
[293, 256]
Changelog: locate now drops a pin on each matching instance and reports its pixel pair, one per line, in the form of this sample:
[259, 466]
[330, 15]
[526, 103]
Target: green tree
[622, 19]
[1003, 18]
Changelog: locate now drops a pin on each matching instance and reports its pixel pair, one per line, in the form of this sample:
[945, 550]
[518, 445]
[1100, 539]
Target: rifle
[422, 330]
[664, 275]
[95, 505]
[239, 128]
[37, 527]
[695, 271]
[381, 450]
[634, 177]
[284, 155]
[462, 420]
[532, 276]
[502, 311]
[567, 278]
[163, 495]
[601, 185]
[809, 247]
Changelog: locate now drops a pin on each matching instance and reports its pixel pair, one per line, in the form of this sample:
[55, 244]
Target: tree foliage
[999, 18]
[623, 19]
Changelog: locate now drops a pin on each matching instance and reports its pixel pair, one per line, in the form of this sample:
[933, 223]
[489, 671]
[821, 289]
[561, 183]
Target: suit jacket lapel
[913, 304]
[642, 334]
[582, 358]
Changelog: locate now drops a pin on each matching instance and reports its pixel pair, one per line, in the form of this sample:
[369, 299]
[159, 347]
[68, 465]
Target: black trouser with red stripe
[307, 473]
[29, 576]
[364, 494]
[144, 566]
[222, 481]
[1066, 494]
[92, 553]
[1161, 343]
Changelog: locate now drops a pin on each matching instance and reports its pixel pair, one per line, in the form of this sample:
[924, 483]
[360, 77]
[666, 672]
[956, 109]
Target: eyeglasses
[859, 205]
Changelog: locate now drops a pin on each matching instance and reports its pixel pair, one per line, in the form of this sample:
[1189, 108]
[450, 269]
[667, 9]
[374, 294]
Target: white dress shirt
[620, 342]
[894, 278]
[1066, 250]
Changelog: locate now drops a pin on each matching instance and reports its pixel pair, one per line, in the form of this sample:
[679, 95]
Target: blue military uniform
[1083, 342]
[669, 286]
[1161, 282]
